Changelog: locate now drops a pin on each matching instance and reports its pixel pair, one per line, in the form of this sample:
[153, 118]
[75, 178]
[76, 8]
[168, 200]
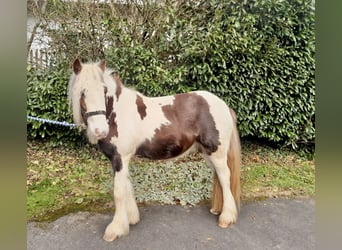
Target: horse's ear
[77, 66]
[103, 65]
[116, 77]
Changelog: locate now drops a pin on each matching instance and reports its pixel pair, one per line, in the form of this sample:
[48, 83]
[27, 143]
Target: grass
[63, 180]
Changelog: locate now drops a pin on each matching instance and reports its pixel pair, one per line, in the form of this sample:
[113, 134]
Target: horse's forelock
[84, 81]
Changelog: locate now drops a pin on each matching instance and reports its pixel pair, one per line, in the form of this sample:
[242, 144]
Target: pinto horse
[124, 123]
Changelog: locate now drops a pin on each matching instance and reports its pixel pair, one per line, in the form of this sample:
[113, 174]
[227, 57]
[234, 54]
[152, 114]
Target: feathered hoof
[214, 211]
[133, 215]
[134, 220]
[227, 219]
[225, 224]
[114, 231]
[109, 237]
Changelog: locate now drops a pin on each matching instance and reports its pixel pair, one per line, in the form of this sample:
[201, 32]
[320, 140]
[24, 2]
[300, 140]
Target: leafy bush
[47, 98]
[256, 55]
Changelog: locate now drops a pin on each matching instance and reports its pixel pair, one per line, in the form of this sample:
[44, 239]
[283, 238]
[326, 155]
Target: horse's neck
[128, 94]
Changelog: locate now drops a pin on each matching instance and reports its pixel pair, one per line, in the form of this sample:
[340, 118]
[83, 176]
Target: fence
[40, 59]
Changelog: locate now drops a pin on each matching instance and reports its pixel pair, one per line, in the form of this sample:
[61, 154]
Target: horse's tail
[233, 162]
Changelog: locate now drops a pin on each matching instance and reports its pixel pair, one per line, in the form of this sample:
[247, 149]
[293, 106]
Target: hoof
[133, 216]
[225, 224]
[214, 212]
[227, 219]
[115, 230]
[134, 220]
[109, 237]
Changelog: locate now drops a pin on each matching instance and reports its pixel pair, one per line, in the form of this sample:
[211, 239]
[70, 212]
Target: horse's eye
[82, 102]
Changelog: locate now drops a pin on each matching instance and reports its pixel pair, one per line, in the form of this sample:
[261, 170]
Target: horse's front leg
[131, 205]
[120, 224]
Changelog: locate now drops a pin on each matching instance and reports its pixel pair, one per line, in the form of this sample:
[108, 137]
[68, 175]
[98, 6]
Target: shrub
[47, 98]
[256, 55]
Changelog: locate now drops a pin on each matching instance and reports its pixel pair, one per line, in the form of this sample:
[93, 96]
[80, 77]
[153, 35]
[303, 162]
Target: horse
[125, 123]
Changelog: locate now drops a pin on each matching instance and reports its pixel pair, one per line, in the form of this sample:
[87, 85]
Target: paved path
[269, 224]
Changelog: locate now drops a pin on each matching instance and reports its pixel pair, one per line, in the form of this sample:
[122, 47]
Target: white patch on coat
[132, 130]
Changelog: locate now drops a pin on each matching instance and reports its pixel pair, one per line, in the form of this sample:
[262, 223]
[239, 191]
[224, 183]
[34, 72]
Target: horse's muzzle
[100, 134]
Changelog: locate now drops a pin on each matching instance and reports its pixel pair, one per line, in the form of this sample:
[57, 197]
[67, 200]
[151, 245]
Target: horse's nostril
[97, 131]
[100, 133]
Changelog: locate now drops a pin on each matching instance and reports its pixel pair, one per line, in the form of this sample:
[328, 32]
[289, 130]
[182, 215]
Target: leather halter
[92, 113]
[86, 115]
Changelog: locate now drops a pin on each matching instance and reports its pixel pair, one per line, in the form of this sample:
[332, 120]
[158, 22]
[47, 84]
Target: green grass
[268, 172]
[274, 181]
[63, 180]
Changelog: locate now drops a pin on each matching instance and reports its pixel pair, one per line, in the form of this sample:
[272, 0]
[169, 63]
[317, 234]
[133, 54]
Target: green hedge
[47, 98]
[256, 55]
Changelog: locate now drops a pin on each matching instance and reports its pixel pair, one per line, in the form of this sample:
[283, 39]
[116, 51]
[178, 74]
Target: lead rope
[43, 120]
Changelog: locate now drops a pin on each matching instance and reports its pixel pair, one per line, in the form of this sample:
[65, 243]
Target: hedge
[47, 98]
[259, 56]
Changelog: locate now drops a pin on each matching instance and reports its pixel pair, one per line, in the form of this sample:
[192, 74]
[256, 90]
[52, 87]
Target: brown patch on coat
[113, 127]
[106, 147]
[119, 85]
[83, 107]
[102, 65]
[110, 115]
[191, 121]
[110, 151]
[141, 107]
[109, 105]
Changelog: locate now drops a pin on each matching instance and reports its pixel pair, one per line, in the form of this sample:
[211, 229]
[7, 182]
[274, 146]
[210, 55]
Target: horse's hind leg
[229, 213]
[120, 224]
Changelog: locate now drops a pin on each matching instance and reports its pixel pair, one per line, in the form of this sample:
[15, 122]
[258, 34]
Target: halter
[92, 113]
[86, 115]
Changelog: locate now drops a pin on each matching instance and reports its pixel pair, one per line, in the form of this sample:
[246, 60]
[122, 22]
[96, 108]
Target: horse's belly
[163, 149]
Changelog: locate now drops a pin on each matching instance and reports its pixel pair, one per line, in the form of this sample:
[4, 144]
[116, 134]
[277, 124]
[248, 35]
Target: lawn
[63, 180]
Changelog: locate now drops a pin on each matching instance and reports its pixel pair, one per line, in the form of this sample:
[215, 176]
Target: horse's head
[87, 97]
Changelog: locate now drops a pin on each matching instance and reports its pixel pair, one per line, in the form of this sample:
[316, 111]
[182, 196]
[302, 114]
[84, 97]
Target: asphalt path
[268, 224]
